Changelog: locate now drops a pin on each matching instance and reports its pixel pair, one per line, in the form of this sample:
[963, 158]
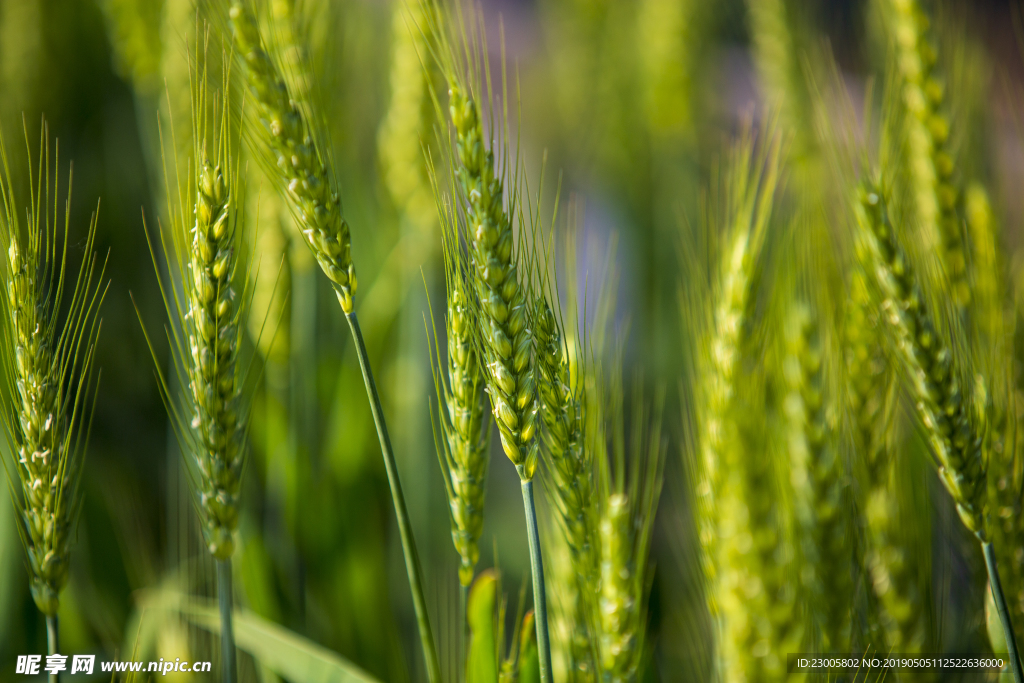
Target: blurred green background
[632, 100]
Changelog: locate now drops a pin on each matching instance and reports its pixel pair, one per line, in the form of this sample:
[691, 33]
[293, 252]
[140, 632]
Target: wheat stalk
[47, 362]
[288, 139]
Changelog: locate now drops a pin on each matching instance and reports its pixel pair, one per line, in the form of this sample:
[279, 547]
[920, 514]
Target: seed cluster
[619, 609]
[505, 324]
[213, 345]
[932, 168]
[571, 486]
[46, 473]
[464, 430]
[300, 162]
[941, 402]
[818, 478]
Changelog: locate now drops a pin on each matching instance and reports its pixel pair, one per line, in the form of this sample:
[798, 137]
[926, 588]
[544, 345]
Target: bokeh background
[632, 101]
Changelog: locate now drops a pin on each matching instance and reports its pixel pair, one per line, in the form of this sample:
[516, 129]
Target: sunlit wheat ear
[496, 226]
[207, 299]
[289, 138]
[207, 295]
[934, 374]
[463, 438]
[296, 157]
[50, 328]
[931, 166]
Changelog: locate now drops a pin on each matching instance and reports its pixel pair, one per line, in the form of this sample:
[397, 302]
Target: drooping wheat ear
[630, 481]
[954, 429]
[941, 398]
[300, 159]
[462, 445]
[409, 118]
[819, 478]
[752, 182]
[47, 360]
[294, 152]
[931, 165]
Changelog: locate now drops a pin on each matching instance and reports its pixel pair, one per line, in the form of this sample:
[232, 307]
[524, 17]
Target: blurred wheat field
[734, 287]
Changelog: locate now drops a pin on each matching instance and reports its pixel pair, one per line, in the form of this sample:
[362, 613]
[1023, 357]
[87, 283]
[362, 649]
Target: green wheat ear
[463, 438]
[207, 299]
[50, 329]
[631, 479]
[931, 166]
[292, 148]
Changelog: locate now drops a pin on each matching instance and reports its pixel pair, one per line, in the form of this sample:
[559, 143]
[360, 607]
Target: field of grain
[527, 341]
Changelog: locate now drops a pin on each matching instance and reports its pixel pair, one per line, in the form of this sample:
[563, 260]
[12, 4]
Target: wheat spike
[463, 440]
[931, 166]
[301, 162]
[941, 397]
[818, 477]
[48, 370]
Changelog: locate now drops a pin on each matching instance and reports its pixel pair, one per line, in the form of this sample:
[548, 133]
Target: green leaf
[287, 654]
[529, 661]
[482, 658]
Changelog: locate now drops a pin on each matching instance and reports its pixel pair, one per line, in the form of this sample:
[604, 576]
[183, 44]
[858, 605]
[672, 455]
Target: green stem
[227, 632]
[412, 559]
[540, 600]
[1004, 610]
[463, 630]
[51, 641]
